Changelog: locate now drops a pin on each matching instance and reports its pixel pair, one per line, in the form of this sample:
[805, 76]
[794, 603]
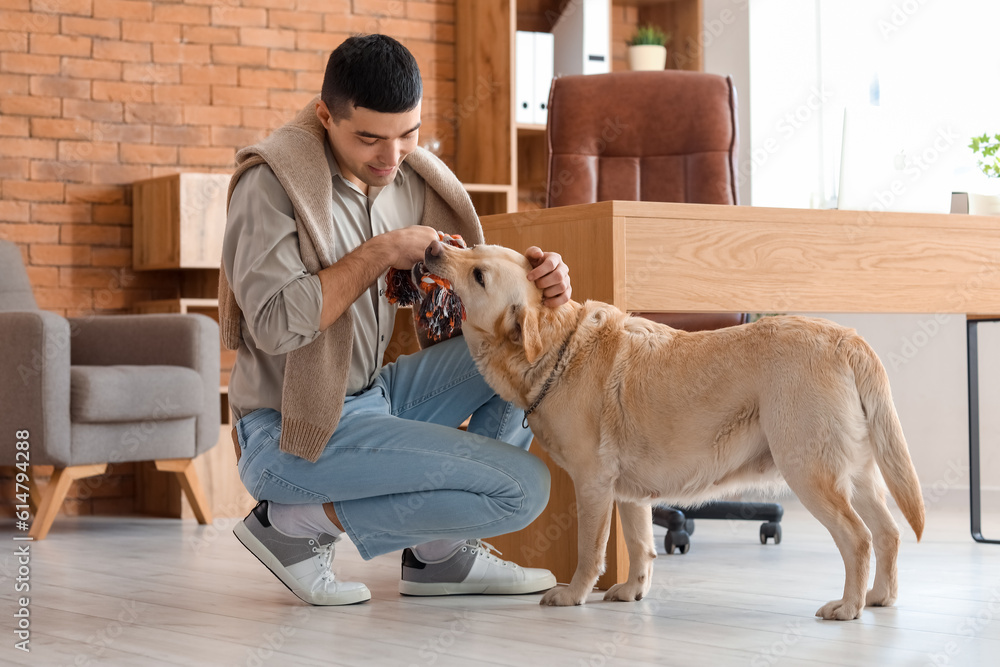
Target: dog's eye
[478, 275]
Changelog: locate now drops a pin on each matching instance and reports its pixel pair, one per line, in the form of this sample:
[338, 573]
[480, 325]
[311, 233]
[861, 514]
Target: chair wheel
[677, 540]
[689, 526]
[770, 529]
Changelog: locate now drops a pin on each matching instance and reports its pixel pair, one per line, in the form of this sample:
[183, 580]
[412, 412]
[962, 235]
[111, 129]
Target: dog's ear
[526, 333]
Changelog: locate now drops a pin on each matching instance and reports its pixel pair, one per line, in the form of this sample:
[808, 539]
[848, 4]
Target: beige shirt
[281, 301]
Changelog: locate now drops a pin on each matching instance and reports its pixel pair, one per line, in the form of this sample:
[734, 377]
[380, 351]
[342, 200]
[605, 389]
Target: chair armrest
[34, 386]
[189, 340]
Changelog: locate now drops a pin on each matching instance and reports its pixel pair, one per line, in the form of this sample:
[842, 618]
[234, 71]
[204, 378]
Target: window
[934, 63]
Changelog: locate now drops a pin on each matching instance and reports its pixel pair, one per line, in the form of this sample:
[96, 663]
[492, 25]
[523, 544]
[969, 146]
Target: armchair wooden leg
[186, 475]
[55, 492]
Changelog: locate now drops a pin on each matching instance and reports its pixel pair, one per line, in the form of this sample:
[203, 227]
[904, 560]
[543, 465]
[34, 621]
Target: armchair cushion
[191, 341]
[134, 393]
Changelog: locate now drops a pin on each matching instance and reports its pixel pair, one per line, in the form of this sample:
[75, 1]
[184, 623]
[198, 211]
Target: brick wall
[95, 94]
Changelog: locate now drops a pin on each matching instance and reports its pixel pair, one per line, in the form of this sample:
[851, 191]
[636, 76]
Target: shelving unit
[178, 223]
[494, 151]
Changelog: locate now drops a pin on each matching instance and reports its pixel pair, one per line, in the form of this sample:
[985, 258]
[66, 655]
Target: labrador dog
[637, 412]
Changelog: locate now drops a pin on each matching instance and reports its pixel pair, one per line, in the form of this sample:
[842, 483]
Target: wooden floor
[142, 591]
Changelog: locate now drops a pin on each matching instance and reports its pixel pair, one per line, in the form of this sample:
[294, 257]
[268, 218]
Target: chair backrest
[15, 288]
[667, 136]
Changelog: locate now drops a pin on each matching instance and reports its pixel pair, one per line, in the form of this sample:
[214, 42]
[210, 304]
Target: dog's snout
[432, 251]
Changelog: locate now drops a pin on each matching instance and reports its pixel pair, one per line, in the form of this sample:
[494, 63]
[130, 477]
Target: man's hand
[408, 245]
[550, 275]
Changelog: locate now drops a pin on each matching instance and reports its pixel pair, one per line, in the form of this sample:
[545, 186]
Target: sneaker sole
[267, 559]
[520, 588]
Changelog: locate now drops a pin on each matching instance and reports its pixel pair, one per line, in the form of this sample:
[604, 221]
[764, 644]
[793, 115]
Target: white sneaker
[471, 569]
[303, 564]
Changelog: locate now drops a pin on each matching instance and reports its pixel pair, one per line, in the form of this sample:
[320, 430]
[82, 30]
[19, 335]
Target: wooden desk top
[706, 258]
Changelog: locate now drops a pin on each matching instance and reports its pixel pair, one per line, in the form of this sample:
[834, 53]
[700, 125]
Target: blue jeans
[397, 469]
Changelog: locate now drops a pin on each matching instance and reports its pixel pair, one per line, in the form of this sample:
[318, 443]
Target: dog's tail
[886, 433]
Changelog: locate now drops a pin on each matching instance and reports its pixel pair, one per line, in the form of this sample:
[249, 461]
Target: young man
[329, 441]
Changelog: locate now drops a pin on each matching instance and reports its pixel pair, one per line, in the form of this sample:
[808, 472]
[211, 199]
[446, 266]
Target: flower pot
[980, 204]
[647, 57]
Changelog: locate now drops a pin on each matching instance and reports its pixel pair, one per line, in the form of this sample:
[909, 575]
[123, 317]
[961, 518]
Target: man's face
[370, 146]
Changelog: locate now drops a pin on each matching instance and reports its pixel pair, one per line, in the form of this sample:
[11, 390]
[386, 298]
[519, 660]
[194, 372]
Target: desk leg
[551, 540]
[975, 493]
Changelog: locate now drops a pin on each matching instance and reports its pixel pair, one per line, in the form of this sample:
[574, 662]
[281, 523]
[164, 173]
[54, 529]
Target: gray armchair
[103, 389]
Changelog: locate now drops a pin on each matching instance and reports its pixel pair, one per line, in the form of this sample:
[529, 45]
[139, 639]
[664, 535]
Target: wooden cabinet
[508, 161]
[178, 221]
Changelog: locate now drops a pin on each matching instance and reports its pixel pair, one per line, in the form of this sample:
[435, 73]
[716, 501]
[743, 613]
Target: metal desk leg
[975, 504]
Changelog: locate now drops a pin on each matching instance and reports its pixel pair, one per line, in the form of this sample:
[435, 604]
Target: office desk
[656, 257]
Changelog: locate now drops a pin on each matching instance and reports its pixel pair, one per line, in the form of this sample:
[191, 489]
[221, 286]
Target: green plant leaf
[648, 34]
[988, 148]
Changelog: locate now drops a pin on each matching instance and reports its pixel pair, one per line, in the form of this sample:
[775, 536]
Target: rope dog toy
[436, 307]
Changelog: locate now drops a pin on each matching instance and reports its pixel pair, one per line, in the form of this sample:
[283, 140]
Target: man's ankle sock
[301, 520]
[429, 552]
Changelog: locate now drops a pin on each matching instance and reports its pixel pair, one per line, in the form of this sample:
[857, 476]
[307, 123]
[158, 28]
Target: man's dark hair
[371, 71]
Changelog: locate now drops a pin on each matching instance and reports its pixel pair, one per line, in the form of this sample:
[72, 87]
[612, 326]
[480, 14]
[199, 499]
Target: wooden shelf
[485, 187]
[492, 149]
[530, 128]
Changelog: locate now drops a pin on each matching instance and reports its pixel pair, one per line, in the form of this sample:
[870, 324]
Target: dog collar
[552, 375]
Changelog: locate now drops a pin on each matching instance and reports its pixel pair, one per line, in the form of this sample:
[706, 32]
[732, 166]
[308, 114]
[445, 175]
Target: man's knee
[535, 486]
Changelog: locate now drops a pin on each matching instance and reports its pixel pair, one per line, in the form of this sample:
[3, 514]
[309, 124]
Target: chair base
[680, 523]
[52, 496]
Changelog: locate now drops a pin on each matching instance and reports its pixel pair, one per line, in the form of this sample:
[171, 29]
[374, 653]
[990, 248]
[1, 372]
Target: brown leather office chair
[667, 136]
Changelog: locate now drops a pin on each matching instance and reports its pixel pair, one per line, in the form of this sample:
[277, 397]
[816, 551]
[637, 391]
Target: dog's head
[492, 282]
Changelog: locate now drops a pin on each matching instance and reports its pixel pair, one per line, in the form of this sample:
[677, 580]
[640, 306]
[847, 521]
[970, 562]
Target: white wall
[726, 41]
[925, 355]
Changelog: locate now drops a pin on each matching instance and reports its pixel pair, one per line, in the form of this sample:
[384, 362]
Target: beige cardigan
[315, 381]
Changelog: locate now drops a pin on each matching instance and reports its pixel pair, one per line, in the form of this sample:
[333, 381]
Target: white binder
[524, 81]
[544, 66]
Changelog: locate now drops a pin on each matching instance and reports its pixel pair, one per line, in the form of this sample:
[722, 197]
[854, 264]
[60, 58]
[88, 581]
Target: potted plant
[647, 49]
[987, 149]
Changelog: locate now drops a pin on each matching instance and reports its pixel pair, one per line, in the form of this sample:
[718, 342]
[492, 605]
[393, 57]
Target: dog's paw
[627, 592]
[840, 610]
[562, 596]
[879, 598]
